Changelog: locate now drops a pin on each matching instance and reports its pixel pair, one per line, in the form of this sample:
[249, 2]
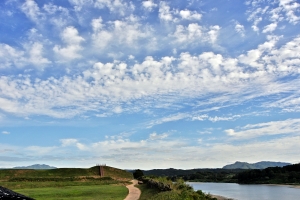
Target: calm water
[248, 192]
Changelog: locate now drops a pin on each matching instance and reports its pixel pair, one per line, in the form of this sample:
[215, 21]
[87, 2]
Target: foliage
[289, 174]
[197, 175]
[138, 173]
[165, 189]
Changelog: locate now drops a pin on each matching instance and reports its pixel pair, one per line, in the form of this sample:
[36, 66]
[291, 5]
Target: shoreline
[283, 185]
[218, 197]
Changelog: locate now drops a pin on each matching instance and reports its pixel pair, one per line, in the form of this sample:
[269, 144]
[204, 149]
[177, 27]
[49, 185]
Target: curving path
[134, 193]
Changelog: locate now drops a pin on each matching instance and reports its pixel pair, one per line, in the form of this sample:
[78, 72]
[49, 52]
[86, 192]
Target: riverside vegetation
[162, 188]
[67, 183]
[289, 174]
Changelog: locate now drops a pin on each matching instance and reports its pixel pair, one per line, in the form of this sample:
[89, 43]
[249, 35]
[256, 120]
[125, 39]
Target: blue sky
[149, 84]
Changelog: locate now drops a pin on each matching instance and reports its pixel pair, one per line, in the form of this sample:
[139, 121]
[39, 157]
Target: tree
[138, 173]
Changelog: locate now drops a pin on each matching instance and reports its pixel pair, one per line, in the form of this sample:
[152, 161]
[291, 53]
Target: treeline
[289, 174]
[198, 175]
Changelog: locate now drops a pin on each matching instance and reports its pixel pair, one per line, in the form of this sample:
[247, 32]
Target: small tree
[138, 173]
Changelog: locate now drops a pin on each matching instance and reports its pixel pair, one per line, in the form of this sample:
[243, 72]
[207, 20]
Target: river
[248, 192]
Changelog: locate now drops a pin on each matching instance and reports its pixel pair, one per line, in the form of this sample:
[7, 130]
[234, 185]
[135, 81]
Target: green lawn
[91, 192]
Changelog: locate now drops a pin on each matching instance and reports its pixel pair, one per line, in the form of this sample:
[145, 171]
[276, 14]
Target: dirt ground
[134, 193]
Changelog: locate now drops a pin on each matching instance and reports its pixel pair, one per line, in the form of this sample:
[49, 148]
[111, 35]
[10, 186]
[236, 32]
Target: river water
[248, 192]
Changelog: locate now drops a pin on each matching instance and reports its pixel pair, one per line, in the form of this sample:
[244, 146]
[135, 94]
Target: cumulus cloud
[116, 6]
[240, 29]
[165, 12]
[108, 87]
[149, 5]
[172, 152]
[72, 39]
[190, 15]
[270, 28]
[284, 10]
[32, 11]
[127, 34]
[10, 56]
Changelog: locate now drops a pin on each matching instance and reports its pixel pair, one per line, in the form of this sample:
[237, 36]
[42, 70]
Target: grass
[179, 190]
[114, 173]
[154, 194]
[67, 183]
[91, 192]
[146, 192]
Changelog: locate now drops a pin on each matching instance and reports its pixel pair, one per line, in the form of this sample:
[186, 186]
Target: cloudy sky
[149, 84]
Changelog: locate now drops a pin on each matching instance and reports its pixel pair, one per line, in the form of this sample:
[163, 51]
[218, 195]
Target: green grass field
[68, 183]
[91, 192]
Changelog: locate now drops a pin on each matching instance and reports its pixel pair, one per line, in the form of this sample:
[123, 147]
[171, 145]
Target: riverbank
[282, 185]
[221, 197]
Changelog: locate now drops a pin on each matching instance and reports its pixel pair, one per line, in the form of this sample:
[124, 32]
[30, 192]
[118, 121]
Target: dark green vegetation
[198, 175]
[161, 188]
[258, 165]
[67, 183]
[289, 174]
[138, 173]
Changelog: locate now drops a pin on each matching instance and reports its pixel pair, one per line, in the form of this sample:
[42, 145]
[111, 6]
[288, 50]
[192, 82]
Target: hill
[258, 165]
[36, 166]
[62, 174]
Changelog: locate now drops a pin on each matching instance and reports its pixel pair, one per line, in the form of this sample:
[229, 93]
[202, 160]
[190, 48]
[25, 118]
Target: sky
[149, 84]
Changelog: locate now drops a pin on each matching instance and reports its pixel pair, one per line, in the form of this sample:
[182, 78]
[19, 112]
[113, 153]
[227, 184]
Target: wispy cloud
[289, 126]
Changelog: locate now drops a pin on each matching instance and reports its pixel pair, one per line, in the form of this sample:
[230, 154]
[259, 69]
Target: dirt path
[134, 193]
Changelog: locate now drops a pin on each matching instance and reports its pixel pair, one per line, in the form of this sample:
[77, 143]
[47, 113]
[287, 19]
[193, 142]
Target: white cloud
[213, 33]
[72, 40]
[116, 6]
[154, 83]
[240, 29]
[126, 33]
[290, 7]
[32, 11]
[155, 136]
[68, 142]
[10, 56]
[270, 28]
[190, 15]
[35, 55]
[188, 34]
[57, 15]
[172, 153]
[289, 126]
[171, 118]
[5, 132]
[79, 4]
[149, 5]
[164, 12]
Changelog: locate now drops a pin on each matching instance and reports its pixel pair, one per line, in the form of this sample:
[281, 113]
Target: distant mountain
[36, 166]
[258, 165]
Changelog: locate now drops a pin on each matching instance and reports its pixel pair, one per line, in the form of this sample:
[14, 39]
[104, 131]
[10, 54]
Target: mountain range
[36, 166]
[258, 165]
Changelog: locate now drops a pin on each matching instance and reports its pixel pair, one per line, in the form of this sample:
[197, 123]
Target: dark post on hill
[101, 170]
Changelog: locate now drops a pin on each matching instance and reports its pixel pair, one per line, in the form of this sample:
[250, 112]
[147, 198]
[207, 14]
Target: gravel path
[134, 193]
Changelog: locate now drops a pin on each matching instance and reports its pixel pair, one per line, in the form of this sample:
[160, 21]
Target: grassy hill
[67, 183]
[63, 173]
